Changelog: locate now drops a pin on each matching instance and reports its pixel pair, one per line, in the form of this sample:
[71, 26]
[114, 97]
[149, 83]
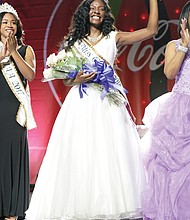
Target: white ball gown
[92, 168]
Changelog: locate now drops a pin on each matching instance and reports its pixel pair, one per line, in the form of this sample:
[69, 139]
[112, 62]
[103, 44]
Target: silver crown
[8, 8]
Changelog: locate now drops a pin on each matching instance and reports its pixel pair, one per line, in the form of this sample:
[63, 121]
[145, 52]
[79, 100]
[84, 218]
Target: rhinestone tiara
[8, 8]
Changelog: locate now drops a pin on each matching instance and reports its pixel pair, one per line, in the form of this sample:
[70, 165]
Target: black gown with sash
[14, 157]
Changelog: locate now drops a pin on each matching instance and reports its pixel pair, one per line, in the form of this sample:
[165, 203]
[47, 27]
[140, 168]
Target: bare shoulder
[30, 51]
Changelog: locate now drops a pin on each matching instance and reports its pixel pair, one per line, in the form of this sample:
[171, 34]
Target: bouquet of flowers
[62, 64]
[67, 65]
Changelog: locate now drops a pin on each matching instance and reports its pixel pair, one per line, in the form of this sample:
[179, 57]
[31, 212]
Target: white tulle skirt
[92, 168]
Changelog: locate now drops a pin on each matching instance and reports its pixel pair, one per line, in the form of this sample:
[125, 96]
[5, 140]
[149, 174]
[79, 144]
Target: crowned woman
[92, 168]
[17, 67]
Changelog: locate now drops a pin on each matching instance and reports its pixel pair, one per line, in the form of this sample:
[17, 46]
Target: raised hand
[185, 37]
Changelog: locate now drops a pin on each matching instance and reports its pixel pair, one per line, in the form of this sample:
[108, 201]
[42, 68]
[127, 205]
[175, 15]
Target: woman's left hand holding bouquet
[80, 78]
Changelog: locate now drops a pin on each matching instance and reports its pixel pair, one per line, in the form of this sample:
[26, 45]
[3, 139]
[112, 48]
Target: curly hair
[184, 14]
[80, 24]
[20, 32]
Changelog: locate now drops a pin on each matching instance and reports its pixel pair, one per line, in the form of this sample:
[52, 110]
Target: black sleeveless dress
[14, 157]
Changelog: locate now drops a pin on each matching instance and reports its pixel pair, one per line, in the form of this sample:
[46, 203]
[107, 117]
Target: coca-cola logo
[152, 57]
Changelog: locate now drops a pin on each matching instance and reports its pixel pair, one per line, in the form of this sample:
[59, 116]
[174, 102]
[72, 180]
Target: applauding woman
[17, 67]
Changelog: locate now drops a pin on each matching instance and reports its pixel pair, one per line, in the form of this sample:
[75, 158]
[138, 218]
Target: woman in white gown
[92, 168]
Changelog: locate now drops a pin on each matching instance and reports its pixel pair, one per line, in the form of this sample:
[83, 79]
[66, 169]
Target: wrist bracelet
[183, 49]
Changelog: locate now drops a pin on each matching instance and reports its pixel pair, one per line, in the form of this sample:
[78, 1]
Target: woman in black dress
[17, 67]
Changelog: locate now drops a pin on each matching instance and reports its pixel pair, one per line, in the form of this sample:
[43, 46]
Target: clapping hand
[10, 45]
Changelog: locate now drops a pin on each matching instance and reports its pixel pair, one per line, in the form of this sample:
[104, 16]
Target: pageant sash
[88, 51]
[24, 115]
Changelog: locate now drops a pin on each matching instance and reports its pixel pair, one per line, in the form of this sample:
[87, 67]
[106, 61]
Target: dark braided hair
[20, 32]
[80, 24]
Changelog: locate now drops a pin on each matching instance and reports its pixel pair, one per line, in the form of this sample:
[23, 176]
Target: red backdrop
[46, 22]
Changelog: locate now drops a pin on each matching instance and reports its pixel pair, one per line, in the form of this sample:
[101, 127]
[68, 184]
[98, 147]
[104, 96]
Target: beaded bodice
[182, 80]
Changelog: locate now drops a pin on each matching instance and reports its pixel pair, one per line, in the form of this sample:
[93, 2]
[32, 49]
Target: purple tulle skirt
[167, 196]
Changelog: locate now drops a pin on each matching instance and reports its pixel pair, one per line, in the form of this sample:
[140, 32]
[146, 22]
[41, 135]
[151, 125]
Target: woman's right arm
[128, 38]
[173, 58]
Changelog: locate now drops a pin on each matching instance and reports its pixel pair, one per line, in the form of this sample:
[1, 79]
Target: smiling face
[97, 13]
[8, 24]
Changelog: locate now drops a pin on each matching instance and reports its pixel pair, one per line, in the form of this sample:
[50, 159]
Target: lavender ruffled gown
[167, 196]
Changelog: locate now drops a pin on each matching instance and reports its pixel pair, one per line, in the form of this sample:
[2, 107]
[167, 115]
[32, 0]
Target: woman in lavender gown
[167, 196]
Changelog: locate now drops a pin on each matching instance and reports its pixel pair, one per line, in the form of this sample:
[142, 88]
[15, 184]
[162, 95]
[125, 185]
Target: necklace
[94, 39]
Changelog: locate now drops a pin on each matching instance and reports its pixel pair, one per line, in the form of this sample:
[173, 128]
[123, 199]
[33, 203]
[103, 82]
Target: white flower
[61, 55]
[69, 54]
[47, 73]
[62, 63]
[51, 60]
